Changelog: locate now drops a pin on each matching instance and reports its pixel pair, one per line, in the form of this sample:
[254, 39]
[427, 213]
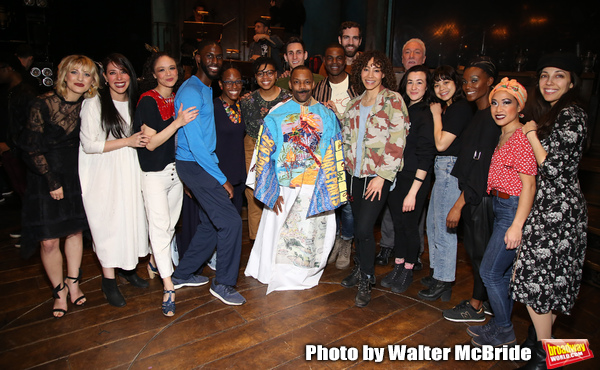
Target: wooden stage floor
[267, 332]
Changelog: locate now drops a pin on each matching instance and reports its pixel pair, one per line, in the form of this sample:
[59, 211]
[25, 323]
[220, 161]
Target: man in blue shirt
[197, 165]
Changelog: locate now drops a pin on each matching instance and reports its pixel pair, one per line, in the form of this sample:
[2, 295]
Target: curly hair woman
[374, 129]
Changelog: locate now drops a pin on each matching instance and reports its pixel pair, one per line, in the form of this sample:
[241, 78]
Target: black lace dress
[49, 143]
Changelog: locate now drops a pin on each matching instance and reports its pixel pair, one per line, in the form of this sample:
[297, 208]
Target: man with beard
[335, 92]
[350, 37]
[295, 174]
[197, 166]
[265, 44]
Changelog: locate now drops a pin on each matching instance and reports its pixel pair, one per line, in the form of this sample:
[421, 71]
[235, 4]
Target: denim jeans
[345, 222]
[496, 266]
[442, 241]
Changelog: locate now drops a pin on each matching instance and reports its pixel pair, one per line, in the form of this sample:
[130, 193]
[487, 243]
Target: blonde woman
[52, 206]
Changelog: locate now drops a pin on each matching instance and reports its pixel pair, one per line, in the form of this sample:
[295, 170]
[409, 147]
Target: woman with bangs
[374, 128]
[161, 187]
[110, 177]
[451, 114]
[413, 181]
[52, 206]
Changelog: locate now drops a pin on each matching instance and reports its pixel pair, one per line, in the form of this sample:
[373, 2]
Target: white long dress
[111, 191]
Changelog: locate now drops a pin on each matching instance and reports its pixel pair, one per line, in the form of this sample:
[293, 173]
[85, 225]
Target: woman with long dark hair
[549, 263]
[374, 128]
[110, 177]
[451, 114]
[407, 199]
[161, 188]
[52, 206]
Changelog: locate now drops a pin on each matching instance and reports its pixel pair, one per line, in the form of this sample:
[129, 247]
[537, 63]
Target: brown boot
[343, 260]
[335, 251]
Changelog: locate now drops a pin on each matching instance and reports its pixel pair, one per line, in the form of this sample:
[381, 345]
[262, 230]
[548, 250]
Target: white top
[111, 191]
[339, 94]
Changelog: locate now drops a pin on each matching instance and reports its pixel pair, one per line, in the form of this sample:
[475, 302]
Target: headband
[513, 88]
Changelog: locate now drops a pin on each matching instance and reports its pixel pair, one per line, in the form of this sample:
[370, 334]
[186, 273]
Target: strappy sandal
[56, 296]
[76, 280]
[168, 306]
[152, 270]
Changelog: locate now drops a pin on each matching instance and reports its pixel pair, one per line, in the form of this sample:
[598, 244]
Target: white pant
[163, 198]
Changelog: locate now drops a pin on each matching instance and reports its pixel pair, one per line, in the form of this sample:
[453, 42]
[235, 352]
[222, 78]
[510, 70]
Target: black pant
[365, 214]
[407, 235]
[478, 224]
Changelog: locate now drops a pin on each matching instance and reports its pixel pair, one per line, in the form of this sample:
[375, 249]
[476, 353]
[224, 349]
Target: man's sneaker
[487, 308]
[464, 312]
[477, 330]
[227, 294]
[193, 280]
[212, 262]
[496, 337]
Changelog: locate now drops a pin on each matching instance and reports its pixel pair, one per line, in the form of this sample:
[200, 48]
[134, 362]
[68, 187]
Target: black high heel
[76, 280]
[112, 293]
[133, 278]
[439, 289]
[56, 296]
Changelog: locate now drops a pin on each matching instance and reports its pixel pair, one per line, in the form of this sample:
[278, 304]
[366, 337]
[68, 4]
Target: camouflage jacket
[385, 137]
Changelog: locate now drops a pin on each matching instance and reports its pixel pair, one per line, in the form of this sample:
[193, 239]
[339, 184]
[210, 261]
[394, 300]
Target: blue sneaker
[227, 294]
[212, 263]
[497, 337]
[194, 280]
[478, 330]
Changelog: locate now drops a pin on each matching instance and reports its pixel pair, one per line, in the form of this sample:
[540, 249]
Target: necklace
[233, 114]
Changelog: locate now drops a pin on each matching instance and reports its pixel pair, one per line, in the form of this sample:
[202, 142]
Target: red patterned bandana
[166, 106]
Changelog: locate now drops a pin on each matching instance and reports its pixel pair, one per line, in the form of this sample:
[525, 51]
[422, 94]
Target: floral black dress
[50, 144]
[548, 267]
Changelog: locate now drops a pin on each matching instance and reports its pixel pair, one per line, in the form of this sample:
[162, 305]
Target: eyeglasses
[231, 83]
[269, 73]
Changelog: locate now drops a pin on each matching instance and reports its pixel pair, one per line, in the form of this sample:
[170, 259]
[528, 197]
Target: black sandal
[76, 280]
[56, 296]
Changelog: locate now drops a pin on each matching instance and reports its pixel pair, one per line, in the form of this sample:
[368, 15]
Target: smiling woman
[108, 165]
[374, 129]
[52, 205]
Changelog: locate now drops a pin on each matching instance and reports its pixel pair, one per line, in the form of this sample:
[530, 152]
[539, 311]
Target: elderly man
[296, 174]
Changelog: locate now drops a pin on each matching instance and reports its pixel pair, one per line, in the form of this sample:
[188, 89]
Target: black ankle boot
[352, 279]
[363, 296]
[401, 284]
[133, 278]
[531, 338]
[112, 293]
[439, 289]
[538, 358]
[390, 278]
[383, 257]
[428, 280]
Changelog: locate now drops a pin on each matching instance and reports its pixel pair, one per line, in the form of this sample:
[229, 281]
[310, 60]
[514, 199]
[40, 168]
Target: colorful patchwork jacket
[385, 137]
[300, 145]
